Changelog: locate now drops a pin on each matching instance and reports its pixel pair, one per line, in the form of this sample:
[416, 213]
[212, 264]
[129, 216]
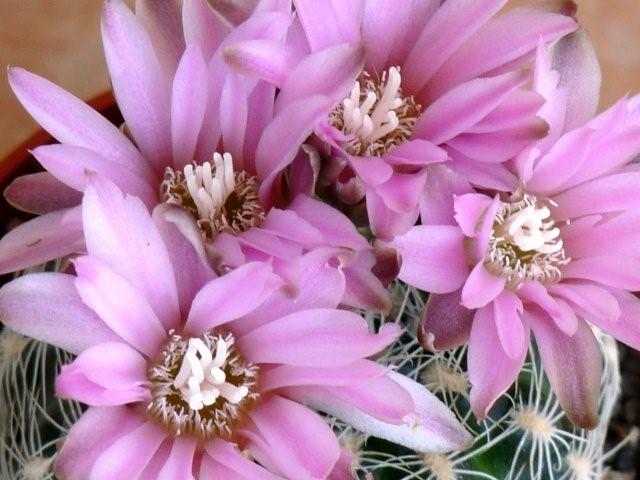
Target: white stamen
[210, 189]
[533, 229]
[201, 378]
[372, 126]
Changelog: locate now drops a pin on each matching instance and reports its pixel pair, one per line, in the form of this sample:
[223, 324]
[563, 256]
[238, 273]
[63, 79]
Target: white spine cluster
[210, 187]
[368, 125]
[201, 378]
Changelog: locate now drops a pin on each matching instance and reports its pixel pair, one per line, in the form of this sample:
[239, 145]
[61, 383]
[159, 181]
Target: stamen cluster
[220, 199]
[376, 114]
[201, 386]
[525, 243]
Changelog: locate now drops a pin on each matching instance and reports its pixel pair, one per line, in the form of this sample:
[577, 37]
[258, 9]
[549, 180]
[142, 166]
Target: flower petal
[41, 193]
[204, 26]
[299, 443]
[72, 122]
[432, 258]
[120, 305]
[96, 430]
[319, 337]
[188, 105]
[50, 236]
[445, 324]
[180, 463]
[139, 82]
[481, 288]
[120, 232]
[231, 296]
[491, 370]
[574, 368]
[327, 23]
[71, 165]
[128, 456]
[507, 311]
[228, 455]
[47, 307]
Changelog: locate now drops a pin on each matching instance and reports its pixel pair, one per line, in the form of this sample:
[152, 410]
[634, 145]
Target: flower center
[201, 386]
[525, 243]
[376, 114]
[220, 199]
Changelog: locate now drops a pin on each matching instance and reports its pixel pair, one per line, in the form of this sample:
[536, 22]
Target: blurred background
[60, 39]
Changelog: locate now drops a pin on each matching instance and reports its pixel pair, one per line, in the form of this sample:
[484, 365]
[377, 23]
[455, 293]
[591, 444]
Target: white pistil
[370, 126]
[201, 378]
[208, 189]
[532, 229]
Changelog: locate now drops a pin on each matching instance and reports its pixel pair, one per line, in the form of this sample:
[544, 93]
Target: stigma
[219, 198]
[376, 116]
[526, 243]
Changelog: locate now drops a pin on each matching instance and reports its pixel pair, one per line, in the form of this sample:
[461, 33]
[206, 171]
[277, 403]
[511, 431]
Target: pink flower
[181, 107]
[439, 81]
[554, 256]
[188, 375]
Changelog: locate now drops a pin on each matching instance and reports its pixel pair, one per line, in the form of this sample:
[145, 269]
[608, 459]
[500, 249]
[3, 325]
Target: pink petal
[506, 38]
[327, 23]
[231, 296]
[625, 328]
[593, 302]
[120, 232]
[188, 256]
[481, 288]
[128, 456]
[507, 311]
[381, 397]
[416, 152]
[289, 225]
[41, 193]
[343, 469]
[139, 82]
[47, 307]
[261, 105]
[71, 165]
[120, 305]
[112, 365]
[464, 106]
[491, 370]
[564, 159]
[575, 59]
[153, 468]
[162, 20]
[284, 135]
[561, 313]
[342, 64]
[432, 427]
[363, 288]
[402, 191]
[228, 455]
[613, 193]
[574, 368]
[433, 258]
[470, 209]
[437, 202]
[342, 376]
[384, 222]
[319, 337]
[372, 170]
[72, 122]
[203, 26]
[96, 430]
[42, 239]
[617, 271]
[234, 113]
[337, 229]
[236, 12]
[448, 29]
[180, 463]
[265, 59]
[188, 105]
[320, 286]
[300, 444]
[445, 324]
